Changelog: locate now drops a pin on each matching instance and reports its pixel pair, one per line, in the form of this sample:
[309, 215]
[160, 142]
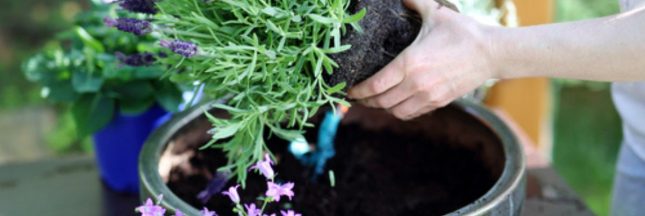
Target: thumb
[430, 9]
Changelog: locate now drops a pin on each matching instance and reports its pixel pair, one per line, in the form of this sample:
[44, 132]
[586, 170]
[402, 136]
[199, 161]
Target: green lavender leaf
[267, 58]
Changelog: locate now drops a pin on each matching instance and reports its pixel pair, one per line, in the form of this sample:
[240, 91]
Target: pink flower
[232, 193]
[252, 210]
[179, 213]
[206, 212]
[264, 166]
[150, 209]
[290, 213]
[276, 190]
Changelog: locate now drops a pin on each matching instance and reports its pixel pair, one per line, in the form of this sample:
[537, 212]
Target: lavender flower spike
[206, 212]
[150, 209]
[136, 60]
[134, 26]
[215, 186]
[290, 213]
[184, 48]
[232, 193]
[139, 6]
[264, 166]
[275, 191]
[252, 210]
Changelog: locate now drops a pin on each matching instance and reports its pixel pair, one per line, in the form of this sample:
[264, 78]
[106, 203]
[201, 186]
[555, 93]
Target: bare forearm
[605, 49]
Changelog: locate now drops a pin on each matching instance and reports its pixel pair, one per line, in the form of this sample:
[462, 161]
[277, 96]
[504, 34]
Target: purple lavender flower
[275, 191]
[136, 60]
[134, 26]
[179, 213]
[214, 186]
[150, 209]
[184, 48]
[264, 166]
[289, 213]
[139, 6]
[252, 210]
[206, 212]
[232, 193]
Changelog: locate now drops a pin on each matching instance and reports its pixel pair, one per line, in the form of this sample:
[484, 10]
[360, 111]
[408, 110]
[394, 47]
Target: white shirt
[629, 98]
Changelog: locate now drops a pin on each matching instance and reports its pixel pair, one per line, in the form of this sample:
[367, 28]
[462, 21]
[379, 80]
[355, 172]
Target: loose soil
[430, 166]
[388, 28]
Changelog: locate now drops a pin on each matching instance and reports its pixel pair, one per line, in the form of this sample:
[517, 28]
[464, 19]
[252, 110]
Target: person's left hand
[449, 58]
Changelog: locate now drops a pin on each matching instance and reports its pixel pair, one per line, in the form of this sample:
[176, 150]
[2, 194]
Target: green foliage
[570, 10]
[267, 57]
[587, 136]
[80, 68]
[24, 26]
[64, 139]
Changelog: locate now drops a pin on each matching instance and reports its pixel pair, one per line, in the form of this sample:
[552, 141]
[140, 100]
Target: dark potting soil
[388, 28]
[382, 173]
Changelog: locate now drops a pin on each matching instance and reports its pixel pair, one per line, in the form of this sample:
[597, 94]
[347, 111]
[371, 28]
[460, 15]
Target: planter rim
[512, 176]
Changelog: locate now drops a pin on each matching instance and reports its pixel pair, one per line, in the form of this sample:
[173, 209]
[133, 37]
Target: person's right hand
[450, 57]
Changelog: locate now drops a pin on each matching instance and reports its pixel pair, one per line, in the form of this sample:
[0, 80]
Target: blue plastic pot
[117, 147]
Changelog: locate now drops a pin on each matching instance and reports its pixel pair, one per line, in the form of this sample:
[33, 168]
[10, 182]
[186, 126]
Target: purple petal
[264, 166]
[252, 210]
[214, 187]
[289, 213]
[179, 213]
[184, 48]
[137, 59]
[109, 22]
[232, 194]
[131, 25]
[206, 212]
[150, 209]
[139, 6]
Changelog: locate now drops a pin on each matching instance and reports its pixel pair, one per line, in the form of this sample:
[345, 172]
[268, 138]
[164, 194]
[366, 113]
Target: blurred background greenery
[586, 126]
[32, 127]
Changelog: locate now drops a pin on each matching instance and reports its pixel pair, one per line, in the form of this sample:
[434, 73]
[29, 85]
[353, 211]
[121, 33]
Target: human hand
[449, 58]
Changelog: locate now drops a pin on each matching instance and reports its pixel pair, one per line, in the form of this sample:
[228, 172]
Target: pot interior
[432, 165]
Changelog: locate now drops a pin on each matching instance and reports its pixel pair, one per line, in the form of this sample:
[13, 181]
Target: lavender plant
[266, 57]
[100, 71]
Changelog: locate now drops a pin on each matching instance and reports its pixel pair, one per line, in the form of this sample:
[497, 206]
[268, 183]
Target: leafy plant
[88, 68]
[267, 58]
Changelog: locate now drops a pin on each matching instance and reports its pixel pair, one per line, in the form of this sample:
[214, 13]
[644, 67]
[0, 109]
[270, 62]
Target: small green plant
[266, 58]
[100, 71]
